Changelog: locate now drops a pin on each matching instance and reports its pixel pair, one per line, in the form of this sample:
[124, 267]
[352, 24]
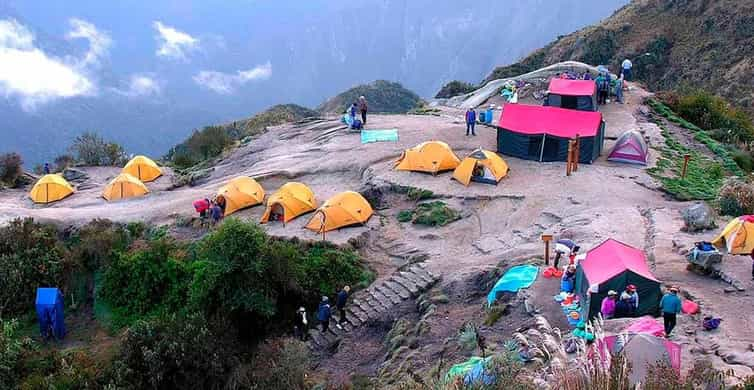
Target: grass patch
[418, 194]
[430, 214]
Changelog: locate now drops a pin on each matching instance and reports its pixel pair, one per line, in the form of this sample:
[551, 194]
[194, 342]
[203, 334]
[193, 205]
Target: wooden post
[686, 158]
[547, 238]
[569, 160]
[577, 153]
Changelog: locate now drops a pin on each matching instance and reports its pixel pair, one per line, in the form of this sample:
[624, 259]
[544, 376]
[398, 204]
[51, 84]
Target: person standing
[216, 213]
[670, 305]
[603, 88]
[608, 305]
[470, 121]
[301, 324]
[340, 304]
[632, 297]
[47, 168]
[352, 112]
[619, 89]
[363, 109]
[752, 264]
[626, 67]
[323, 314]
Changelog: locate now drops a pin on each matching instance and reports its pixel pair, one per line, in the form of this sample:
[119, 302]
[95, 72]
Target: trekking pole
[686, 158]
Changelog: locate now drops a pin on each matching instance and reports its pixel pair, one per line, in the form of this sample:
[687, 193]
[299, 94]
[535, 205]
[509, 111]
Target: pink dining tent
[629, 148]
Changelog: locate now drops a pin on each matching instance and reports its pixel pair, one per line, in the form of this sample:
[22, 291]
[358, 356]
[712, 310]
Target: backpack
[603, 84]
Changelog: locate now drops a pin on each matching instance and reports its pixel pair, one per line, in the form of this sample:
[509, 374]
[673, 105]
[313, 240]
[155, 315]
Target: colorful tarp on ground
[369, 136]
[646, 325]
[461, 369]
[516, 278]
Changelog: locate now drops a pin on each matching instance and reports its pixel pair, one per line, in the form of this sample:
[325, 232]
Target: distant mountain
[176, 66]
[672, 44]
[381, 96]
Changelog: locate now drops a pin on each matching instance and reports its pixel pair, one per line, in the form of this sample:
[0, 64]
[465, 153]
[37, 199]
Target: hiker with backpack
[603, 88]
[619, 89]
[626, 71]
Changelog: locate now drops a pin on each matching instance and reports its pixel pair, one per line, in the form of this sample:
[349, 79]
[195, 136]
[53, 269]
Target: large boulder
[76, 175]
[698, 217]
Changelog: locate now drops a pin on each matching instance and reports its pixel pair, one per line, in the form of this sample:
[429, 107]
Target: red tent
[572, 87]
[542, 133]
[553, 121]
[613, 265]
[572, 94]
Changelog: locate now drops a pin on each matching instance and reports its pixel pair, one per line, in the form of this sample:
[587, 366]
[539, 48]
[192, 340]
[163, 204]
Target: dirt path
[602, 200]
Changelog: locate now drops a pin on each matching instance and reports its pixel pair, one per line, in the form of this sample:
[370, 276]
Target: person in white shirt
[626, 67]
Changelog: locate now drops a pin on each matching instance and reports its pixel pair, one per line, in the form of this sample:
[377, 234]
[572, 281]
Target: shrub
[454, 88]
[91, 149]
[10, 168]
[30, 257]
[326, 269]
[405, 216]
[743, 159]
[435, 214]
[176, 352]
[419, 194]
[201, 145]
[12, 348]
[96, 243]
[736, 197]
[712, 112]
[145, 280]
[280, 364]
[64, 161]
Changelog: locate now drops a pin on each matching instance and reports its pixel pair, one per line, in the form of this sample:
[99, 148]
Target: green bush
[145, 280]
[203, 144]
[454, 88]
[10, 168]
[405, 215]
[743, 159]
[12, 348]
[434, 214]
[327, 269]
[419, 194]
[91, 149]
[711, 112]
[175, 352]
[30, 257]
[96, 243]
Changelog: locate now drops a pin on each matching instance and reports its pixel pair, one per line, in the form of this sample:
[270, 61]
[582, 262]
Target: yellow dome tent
[431, 156]
[344, 209]
[240, 193]
[142, 168]
[50, 188]
[738, 236]
[481, 166]
[291, 200]
[124, 186]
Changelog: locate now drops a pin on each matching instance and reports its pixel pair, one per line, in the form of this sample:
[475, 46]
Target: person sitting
[608, 305]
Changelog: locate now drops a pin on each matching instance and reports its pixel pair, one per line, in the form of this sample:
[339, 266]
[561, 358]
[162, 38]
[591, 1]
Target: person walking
[670, 305]
[626, 67]
[301, 324]
[363, 109]
[323, 314]
[470, 121]
[340, 304]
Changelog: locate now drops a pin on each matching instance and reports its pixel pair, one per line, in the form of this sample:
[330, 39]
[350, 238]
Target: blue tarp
[368, 136]
[50, 312]
[477, 375]
[518, 277]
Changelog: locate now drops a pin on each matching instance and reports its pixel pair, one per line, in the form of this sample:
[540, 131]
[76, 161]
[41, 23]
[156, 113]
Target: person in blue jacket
[340, 304]
[470, 121]
[323, 314]
[670, 305]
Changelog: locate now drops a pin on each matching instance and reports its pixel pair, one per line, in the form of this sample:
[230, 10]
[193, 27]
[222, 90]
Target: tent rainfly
[143, 168]
[290, 201]
[542, 133]
[124, 186]
[344, 209]
[50, 188]
[481, 166]
[240, 193]
[431, 156]
[641, 350]
[629, 148]
[572, 94]
[614, 265]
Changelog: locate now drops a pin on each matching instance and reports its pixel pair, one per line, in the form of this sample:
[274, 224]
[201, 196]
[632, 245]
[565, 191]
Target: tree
[91, 149]
[10, 168]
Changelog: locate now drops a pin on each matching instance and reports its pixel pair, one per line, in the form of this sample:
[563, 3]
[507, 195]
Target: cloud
[99, 42]
[173, 43]
[32, 75]
[140, 85]
[227, 83]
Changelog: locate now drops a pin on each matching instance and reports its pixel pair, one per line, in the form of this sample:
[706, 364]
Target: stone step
[407, 284]
[414, 278]
[422, 273]
[355, 319]
[384, 302]
[399, 290]
[374, 304]
[394, 298]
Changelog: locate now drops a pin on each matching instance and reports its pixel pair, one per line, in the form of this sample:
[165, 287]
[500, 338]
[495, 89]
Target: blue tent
[50, 312]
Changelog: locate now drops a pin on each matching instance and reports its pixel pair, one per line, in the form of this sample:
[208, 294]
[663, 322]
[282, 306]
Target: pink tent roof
[554, 121]
[572, 87]
[611, 258]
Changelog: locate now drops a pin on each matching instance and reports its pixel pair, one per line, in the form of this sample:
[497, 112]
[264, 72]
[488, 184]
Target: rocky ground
[501, 225]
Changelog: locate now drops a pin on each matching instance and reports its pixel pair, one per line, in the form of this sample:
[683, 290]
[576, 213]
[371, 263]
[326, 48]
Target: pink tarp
[646, 325]
[572, 87]
[611, 258]
[554, 121]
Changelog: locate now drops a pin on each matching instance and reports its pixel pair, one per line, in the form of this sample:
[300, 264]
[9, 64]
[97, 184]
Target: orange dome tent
[142, 168]
[431, 156]
[737, 238]
[482, 166]
[290, 201]
[50, 188]
[344, 209]
[240, 193]
[124, 186]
